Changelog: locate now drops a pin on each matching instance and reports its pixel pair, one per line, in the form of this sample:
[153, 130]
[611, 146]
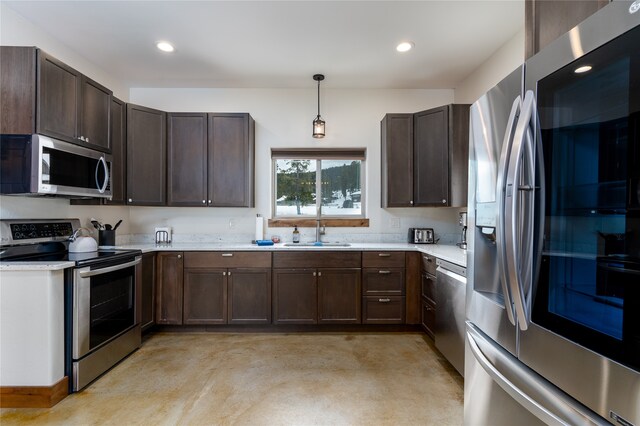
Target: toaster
[421, 236]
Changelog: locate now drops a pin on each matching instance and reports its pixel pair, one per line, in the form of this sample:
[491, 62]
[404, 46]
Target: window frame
[318, 155]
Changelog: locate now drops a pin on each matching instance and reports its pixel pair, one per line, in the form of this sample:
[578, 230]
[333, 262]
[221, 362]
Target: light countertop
[450, 253]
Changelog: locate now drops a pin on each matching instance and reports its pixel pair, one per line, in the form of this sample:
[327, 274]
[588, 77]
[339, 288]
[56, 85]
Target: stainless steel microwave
[40, 165]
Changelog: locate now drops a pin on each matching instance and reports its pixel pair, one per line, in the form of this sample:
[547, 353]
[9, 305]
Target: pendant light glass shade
[318, 123]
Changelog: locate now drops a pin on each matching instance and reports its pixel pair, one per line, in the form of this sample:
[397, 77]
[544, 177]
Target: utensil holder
[107, 237]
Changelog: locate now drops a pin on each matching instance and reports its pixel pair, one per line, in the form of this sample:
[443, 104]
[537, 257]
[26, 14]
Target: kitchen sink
[317, 244]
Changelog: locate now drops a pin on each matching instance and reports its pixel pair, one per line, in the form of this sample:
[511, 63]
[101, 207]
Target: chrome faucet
[319, 231]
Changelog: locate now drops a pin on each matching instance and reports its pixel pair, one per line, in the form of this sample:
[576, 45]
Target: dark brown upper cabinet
[186, 159]
[146, 156]
[546, 20]
[119, 152]
[210, 160]
[425, 158]
[41, 94]
[231, 154]
[397, 160]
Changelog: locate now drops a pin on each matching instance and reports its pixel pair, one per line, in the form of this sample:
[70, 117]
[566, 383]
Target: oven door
[582, 331]
[103, 305]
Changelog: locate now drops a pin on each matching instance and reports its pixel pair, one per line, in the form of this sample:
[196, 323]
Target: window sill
[311, 223]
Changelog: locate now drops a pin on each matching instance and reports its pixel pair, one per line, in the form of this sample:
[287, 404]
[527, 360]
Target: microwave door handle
[500, 233]
[514, 233]
[102, 188]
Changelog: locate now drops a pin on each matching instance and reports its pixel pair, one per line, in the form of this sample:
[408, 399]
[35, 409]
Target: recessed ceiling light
[582, 69]
[165, 46]
[405, 46]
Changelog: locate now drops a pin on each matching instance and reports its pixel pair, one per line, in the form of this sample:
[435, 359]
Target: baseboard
[34, 396]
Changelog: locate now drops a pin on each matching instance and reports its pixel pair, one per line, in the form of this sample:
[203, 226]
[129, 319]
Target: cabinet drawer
[388, 259]
[428, 318]
[314, 259]
[383, 309]
[388, 281]
[429, 283]
[429, 264]
[227, 259]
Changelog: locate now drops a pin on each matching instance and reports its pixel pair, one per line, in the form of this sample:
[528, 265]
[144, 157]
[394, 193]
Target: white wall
[283, 119]
[17, 31]
[506, 59]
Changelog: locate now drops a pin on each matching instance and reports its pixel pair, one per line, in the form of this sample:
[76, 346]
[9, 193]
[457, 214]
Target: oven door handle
[87, 274]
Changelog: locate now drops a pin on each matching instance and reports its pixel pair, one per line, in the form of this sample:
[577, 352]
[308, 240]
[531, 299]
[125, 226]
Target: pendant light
[318, 123]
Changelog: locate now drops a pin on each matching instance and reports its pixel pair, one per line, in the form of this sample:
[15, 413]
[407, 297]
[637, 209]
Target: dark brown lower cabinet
[428, 317]
[227, 296]
[169, 287]
[147, 308]
[249, 296]
[295, 296]
[383, 309]
[205, 296]
[339, 293]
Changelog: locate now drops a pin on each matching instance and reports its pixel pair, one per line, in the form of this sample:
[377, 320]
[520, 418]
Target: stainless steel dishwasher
[450, 312]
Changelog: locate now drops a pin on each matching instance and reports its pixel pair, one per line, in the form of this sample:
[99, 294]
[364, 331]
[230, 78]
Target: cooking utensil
[95, 224]
[117, 224]
[107, 227]
[82, 244]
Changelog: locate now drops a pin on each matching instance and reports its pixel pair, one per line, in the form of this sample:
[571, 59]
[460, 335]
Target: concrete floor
[267, 379]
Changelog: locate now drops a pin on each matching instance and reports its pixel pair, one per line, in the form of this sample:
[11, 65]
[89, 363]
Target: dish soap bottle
[296, 234]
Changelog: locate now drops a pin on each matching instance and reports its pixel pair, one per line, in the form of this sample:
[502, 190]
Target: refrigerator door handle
[529, 389]
[500, 230]
[518, 225]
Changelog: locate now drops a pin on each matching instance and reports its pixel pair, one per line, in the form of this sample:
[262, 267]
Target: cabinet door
[388, 281]
[547, 20]
[249, 296]
[58, 99]
[205, 296]
[95, 106]
[339, 296]
[295, 296]
[397, 160]
[383, 310]
[147, 290]
[231, 160]
[18, 90]
[186, 159]
[169, 288]
[146, 155]
[431, 157]
[428, 318]
[118, 151]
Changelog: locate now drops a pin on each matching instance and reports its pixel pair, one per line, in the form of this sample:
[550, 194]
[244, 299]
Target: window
[318, 183]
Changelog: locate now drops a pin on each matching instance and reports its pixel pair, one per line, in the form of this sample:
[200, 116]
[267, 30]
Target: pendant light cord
[318, 98]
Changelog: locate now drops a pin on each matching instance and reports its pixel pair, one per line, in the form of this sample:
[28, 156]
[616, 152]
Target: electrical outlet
[232, 224]
[394, 222]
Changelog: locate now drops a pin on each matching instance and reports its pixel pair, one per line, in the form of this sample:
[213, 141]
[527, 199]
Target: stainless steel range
[101, 325]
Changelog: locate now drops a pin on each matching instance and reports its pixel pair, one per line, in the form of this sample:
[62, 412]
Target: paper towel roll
[259, 228]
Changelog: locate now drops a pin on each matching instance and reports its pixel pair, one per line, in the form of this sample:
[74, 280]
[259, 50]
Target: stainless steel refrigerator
[553, 267]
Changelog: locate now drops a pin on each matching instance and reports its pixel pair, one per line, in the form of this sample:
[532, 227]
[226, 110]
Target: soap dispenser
[296, 234]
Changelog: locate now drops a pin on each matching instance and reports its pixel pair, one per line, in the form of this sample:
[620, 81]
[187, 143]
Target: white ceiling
[268, 44]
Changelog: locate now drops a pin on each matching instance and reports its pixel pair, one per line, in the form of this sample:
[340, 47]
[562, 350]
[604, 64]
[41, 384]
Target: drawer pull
[387, 300]
[384, 272]
[384, 254]
[224, 274]
[227, 254]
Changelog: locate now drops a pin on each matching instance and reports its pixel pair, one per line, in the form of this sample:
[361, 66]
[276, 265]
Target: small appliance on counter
[421, 236]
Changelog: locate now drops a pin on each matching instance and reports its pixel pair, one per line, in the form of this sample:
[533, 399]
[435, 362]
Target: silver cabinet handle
[86, 139]
[204, 201]
[179, 256]
[319, 274]
[81, 138]
[411, 202]
[314, 274]
[384, 272]
[229, 273]
[227, 254]
[387, 300]
[384, 254]
[429, 308]
[224, 274]
[444, 201]
[130, 200]
[209, 201]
